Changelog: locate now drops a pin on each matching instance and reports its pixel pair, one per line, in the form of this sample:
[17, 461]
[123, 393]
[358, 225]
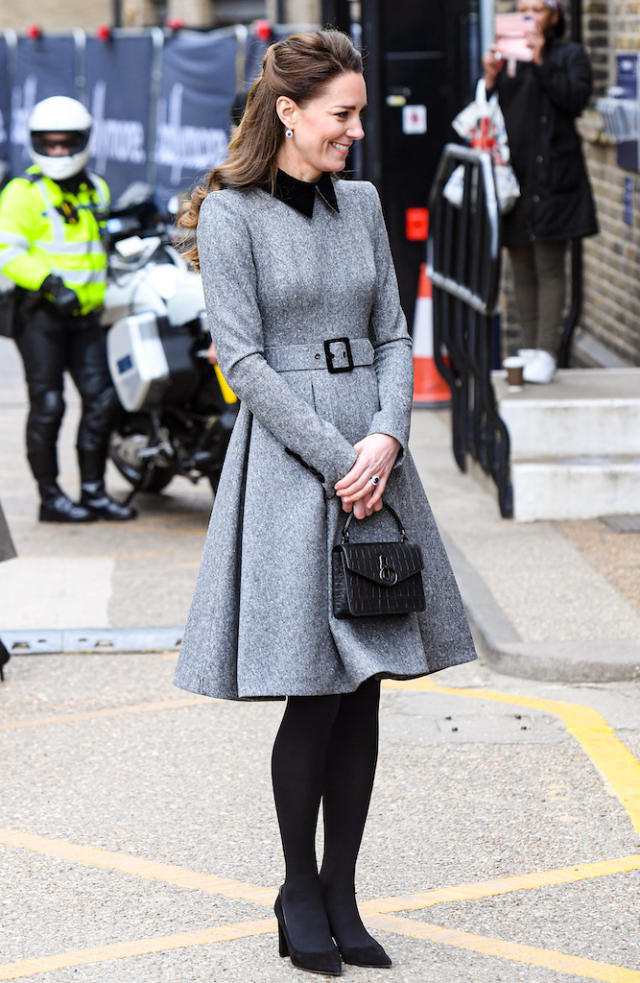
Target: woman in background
[540, 102]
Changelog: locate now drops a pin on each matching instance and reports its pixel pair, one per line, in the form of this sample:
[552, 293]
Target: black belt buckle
[329, 355]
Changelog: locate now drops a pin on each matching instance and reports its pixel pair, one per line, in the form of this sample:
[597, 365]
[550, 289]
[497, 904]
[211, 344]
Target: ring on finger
[374, 480]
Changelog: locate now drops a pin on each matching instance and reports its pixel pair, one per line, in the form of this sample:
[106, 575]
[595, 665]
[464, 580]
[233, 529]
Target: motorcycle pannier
[137, 361]
[150, 361]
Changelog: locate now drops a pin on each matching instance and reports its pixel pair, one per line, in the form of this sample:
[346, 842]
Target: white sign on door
[414, 119]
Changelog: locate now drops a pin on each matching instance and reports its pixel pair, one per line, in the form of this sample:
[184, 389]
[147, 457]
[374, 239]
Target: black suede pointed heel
[326, 963]
[372, 955]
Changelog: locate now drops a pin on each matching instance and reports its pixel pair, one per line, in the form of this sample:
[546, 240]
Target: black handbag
[372, 579]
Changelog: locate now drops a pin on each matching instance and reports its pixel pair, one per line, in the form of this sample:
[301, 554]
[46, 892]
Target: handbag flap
[385, 564]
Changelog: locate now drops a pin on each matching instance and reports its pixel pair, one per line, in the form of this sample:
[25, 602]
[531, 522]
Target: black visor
[73, 142]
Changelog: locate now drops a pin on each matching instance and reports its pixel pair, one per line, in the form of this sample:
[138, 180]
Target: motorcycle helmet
[69, 121]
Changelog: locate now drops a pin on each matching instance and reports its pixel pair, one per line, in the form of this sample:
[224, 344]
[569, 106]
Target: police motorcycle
[177, 410]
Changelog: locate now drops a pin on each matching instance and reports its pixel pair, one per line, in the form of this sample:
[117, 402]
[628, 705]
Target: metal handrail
[464, 265]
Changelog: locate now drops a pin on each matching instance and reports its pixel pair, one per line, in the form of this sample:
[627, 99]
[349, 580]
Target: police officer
[50, 247]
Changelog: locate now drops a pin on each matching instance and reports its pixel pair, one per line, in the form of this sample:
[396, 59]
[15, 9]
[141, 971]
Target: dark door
[421, 61]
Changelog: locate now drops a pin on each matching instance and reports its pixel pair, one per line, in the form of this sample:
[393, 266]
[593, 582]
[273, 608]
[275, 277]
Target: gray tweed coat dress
[279, 285]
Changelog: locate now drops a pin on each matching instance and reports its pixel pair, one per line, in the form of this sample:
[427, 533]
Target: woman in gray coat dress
[303, 306]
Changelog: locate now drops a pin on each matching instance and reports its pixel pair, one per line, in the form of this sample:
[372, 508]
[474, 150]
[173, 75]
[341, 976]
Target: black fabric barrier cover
[197, 89]
[255, 49]
[45, 67]
[118, 74]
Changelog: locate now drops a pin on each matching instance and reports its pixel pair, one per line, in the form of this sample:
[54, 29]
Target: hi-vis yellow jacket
[45, 230]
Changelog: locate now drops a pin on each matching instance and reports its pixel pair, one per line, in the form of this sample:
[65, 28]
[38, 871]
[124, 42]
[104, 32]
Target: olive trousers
[539, 286]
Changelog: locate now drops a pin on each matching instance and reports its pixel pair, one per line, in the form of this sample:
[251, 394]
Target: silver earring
[288, 133]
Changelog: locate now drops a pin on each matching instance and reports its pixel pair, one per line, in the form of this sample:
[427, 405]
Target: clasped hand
[377, 454]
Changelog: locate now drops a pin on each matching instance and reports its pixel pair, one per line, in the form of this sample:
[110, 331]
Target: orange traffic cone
[429, 388]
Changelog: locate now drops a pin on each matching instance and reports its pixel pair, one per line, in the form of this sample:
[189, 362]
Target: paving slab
[117, 787]
[612, 937]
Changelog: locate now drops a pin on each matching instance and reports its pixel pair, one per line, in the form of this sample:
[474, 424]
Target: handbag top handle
[401, 530]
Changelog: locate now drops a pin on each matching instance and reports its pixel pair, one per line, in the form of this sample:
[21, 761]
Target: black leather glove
[64, 299]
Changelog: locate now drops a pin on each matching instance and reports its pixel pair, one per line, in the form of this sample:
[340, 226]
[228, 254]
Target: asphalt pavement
[138, 841]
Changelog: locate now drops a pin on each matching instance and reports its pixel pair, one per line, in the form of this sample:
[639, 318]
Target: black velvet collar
[301, 195]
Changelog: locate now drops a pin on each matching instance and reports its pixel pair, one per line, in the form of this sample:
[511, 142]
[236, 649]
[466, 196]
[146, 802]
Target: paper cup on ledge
[514, 366]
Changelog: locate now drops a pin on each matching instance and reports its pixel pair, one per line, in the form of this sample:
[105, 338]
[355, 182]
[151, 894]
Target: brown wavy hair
[298, 68]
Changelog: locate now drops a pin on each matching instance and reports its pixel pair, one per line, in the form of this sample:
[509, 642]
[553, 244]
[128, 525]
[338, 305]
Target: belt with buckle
[335, 355]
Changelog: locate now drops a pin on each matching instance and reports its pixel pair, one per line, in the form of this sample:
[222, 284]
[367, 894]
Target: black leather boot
[94, 497]
[4, 658]
[55, 506]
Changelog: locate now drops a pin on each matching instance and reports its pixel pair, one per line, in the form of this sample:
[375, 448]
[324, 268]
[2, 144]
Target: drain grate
[91, 640]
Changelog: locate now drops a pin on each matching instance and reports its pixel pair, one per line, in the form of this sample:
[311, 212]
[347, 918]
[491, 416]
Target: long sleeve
[567, 83]
[229, 280]
[19, 217]
[391, 341]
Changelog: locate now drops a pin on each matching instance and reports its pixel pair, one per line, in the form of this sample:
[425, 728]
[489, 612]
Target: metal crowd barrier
[463, 261]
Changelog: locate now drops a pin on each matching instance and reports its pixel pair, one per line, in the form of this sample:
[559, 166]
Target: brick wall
[63, 15]
[194, 13]
[296, 11]
[54, 15]
[612, 259]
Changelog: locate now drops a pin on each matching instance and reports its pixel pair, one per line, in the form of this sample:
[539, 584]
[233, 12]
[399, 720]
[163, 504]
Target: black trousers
[49, 346]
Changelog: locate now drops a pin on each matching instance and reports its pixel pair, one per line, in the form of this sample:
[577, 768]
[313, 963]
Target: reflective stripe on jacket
[47, 230]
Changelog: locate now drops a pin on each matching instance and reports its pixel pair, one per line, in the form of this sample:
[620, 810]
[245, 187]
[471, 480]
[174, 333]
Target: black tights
[326, 748]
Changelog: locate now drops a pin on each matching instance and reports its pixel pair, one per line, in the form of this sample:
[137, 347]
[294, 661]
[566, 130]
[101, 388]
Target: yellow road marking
[484, 945]
[560, 962]
[161, 522]
[139, 947]
[614, 761]
[617, 765]
[137, 554]
[138, 866]
[503, 885]
[105, 714]
[239, 890]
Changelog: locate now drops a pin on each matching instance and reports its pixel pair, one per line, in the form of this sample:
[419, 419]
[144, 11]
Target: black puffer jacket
[540, 105]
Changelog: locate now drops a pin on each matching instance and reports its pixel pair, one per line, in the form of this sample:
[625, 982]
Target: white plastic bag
[481, 124]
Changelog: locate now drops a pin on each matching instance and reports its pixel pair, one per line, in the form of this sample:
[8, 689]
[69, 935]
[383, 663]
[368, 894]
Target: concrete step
[582, 412]
[576, 487]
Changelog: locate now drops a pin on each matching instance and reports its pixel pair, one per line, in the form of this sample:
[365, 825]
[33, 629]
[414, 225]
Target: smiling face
[544, 17]
[324, 128]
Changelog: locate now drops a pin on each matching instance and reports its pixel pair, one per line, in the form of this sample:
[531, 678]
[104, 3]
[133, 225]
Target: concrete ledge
[573, 661]
[566, 661]
[575, 488]
[583, 412]
[572, 428]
